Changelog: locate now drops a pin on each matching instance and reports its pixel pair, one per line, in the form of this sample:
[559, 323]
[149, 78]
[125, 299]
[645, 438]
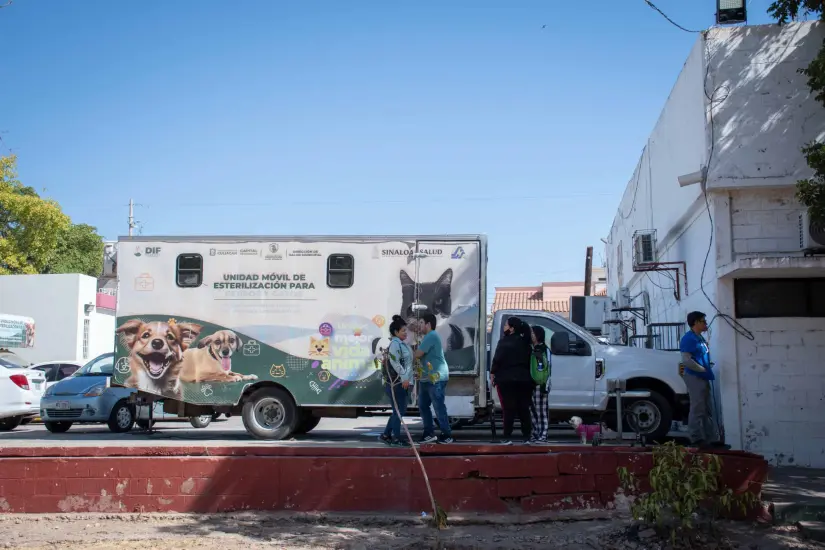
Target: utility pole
[588, 271]
[132, 223]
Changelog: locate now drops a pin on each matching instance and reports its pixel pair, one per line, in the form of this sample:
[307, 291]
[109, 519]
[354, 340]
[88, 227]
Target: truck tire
[200, 421]
[122, 417]
[654, 415]
[306, 424]
[10, 423]
[270, 413]
[58, 427]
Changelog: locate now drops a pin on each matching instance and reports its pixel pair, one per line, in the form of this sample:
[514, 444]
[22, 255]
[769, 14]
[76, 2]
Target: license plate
[61, 405]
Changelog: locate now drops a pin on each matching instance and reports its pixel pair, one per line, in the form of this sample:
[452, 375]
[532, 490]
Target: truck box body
[200, 319]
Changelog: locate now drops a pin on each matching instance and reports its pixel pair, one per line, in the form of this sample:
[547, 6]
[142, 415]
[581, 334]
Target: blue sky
[345, 117]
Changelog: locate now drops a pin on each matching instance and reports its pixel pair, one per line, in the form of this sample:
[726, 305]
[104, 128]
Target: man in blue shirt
[698, 376]
[433, 383]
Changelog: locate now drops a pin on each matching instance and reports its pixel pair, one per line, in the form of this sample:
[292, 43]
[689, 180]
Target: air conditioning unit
[590, 312]
[644, 248]
[811, 234]
[623, 298]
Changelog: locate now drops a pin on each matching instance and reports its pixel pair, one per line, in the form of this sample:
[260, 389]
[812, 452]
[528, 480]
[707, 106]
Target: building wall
[653, 199]
[55, 302]
[101, 323]
[763, 109]
[770, 389]
[765, 221]
[782, 390]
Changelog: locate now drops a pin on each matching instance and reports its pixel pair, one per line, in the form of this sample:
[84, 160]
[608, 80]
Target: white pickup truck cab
[582, 365]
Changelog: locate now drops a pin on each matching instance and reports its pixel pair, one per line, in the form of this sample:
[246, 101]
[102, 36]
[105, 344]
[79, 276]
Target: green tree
[37, 237]
[810, 191]
[79, 250]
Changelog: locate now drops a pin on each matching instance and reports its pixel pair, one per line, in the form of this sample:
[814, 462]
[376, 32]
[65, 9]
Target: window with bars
[86, 325]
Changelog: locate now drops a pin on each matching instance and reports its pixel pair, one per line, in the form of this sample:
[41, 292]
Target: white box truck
[285, 330]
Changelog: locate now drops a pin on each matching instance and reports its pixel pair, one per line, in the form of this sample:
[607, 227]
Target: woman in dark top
[510, 371]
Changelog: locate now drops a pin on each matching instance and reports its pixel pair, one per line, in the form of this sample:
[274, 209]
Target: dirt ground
[252, 531]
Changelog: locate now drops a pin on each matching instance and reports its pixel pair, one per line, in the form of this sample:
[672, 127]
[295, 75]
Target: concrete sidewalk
[797, 496]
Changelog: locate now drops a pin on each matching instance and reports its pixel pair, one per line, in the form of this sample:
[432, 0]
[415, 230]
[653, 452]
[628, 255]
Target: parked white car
[55, 371]
[20, 391]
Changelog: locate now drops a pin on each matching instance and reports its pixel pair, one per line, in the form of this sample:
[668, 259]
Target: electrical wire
[733, 323]
[669, 20]
[358, 201]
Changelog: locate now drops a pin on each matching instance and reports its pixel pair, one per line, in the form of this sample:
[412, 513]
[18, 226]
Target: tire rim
[269, 414]
[124, 417]
[205, 419]
[645, 417]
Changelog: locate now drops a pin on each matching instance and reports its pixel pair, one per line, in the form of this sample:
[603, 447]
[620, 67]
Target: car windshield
[102, 365]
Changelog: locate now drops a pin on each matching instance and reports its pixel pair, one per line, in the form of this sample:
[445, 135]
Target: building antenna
[132, 223]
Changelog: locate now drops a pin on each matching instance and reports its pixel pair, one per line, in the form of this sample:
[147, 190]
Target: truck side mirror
[560, 343]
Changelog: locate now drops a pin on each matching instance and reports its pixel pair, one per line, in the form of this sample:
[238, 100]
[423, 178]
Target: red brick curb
[465, 478]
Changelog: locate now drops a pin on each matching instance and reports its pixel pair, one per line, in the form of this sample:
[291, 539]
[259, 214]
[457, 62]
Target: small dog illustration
[211, 361]
[29, 335]
[318, 347]
[156, 352]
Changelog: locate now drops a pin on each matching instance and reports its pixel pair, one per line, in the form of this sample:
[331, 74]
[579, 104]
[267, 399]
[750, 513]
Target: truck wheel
[270, 413]
[306, 424]
[8, 424]
[200, 421]
[58, 427]
[651, 416]
[122, 417]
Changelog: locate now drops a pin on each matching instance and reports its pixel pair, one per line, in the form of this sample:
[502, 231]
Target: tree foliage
[37, 237]
[811, 191]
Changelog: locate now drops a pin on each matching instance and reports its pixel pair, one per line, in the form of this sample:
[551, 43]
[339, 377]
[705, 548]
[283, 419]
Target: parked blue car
[87, 397]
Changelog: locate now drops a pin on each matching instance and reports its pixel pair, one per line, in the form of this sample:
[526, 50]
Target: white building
[73, 321]
[740, 107]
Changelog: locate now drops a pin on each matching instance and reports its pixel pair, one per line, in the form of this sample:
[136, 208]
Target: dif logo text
[149, 251]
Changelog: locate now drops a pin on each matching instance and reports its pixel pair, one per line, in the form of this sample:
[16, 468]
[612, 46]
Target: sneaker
[385, 439]
[400, 443]
[429, 439]
[506, 442]
[445, 439]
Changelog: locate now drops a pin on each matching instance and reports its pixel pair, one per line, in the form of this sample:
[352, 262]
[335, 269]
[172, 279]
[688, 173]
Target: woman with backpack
[398, 372]
[540, 370]
[510, 371]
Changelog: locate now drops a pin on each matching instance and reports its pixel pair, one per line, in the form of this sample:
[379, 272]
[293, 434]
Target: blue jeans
[433, 394]
[393, 428]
